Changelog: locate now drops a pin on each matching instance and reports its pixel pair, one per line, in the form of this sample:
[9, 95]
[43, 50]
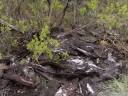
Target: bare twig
[49, 3]
[74, 13]
[63, 13]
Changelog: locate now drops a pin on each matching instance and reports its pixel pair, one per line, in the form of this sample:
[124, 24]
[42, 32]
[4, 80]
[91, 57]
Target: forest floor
[94, 58]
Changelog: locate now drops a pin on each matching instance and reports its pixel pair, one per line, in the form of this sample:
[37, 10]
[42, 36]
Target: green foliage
[23, 61]
[57, 6]
[83, 11]
[109, 14]
[92, 4]
[43, 44]
[5, 38]
[117, 87]
[5, 28]
[29, 16]
[22, 25]
[14, 42]
[64, 55]
[113, 15]
[1, 5]
[1, 55]
[60, 56]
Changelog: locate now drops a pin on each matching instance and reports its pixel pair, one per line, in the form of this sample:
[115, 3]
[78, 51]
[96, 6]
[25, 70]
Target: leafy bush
[109, 14]
[43, 43]
[114, 15]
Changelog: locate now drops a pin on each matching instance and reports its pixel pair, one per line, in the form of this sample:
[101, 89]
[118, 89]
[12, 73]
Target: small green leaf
[83, 11]
[1, 56]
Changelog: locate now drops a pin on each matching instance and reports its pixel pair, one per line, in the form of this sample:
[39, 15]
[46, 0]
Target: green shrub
[43, 44]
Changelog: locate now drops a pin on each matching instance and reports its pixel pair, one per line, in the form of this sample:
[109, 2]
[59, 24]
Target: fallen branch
[21, 80]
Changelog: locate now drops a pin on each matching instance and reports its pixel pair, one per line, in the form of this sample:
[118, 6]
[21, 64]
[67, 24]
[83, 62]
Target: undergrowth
[117, 87]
